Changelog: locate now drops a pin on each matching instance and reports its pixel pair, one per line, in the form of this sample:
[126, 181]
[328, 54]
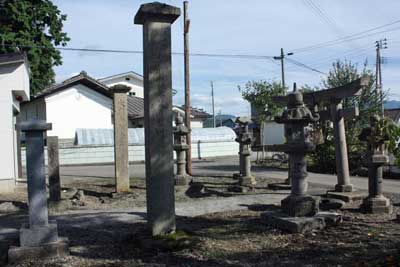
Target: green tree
[259, 94]
[36, 27]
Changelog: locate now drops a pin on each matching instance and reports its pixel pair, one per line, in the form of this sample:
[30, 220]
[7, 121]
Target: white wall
[77, 107]
[135, 84]
[14, 80]
[196, 124]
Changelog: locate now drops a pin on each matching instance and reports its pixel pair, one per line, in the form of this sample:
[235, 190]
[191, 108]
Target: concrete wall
[105, 154]
[77, 107]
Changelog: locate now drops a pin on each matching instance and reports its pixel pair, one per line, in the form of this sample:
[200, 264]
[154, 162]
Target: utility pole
[186, 22]
[281, 58]
[213, 106]
[380, 44]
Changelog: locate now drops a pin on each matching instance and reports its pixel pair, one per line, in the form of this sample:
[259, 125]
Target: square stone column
[39, 238]
[121, 156]
[156, 19]
[53, 167]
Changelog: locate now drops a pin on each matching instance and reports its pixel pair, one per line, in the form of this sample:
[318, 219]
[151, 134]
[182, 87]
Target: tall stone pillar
[121, 156]
[53, 167]
[156, 19]
[342, 162]
[39, 238]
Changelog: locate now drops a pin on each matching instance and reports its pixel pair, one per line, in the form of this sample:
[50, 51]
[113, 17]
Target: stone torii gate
[336, 114]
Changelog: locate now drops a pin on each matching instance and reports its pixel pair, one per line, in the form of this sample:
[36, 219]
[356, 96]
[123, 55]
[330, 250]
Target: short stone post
[156, 19]
[375, 202]
[53, 167]
[342, 162]
[245, 141]
[180, 147]
[121, 156]
[39, 238]
[240, 153]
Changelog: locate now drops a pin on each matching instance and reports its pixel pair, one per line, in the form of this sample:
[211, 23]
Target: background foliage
[36, 27]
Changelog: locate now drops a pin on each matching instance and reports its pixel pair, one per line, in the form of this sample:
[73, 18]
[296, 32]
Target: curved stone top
[33, 125]
[157, 11]
[120, 88]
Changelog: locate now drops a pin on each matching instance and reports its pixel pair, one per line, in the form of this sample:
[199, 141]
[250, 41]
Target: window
[132, 93]
[127, 79]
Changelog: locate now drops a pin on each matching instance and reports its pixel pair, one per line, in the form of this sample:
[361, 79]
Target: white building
[131, 79]
[79, 102]
[14, 84]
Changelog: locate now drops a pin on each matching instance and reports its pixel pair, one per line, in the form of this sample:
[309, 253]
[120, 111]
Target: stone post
[121, 156]
[342, 162]
[245, 141]
[180, 147]
[156, 19]
[53, 167]
[40, 237]
[240, 153]
[375, 202]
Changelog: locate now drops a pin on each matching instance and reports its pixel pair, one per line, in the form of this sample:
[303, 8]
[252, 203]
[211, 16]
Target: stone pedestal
[180, 147]
[39, 232]
[244, 139]
[375, 202]
[156, 19]
[121, 156]
[53, 167]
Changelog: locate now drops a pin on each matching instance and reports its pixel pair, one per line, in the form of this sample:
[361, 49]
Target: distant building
[393, 114]
[198, 116]
[131, 79]
[78, 102]
[14, 84]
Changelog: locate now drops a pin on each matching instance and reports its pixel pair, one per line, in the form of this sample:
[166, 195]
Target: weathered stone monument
[121, 156]
[180, 147]
[244, 139]
[300, 211]
[38, 238]
[335, 113]
[377, 158]
[156, 19]
[53, 167]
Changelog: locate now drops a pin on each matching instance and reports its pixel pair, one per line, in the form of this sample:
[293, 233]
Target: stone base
[247, 180]
[377, 205]
[280, 186]
[301, 225]
[346, 196]
[38, 235]
[298, 206]
[344, 188]
[181, 179]
[59, 248]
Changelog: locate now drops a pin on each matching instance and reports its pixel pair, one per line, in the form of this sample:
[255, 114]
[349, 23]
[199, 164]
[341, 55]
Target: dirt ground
[238, 238]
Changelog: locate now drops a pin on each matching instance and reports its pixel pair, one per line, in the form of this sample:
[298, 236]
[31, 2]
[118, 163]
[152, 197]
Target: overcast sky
[255, 27]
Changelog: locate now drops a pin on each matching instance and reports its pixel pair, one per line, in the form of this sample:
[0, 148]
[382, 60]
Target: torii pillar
[156, 19]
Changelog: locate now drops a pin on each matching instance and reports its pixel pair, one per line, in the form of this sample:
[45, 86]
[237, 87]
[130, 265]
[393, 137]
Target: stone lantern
[180, 147]
[376, 158]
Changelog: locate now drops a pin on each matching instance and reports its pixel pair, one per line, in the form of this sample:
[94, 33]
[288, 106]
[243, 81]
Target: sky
[233, 27]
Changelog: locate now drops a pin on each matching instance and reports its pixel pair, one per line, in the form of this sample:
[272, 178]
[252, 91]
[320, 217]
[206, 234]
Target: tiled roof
[394, 114]
[197, 113]
[135, 107]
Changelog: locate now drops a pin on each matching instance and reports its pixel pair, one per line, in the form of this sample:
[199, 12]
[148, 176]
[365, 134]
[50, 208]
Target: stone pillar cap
[157, 11]
[33, 125]
[120, 88]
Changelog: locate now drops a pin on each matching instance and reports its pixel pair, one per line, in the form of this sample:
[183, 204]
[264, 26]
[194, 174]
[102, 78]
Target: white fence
[80, 155]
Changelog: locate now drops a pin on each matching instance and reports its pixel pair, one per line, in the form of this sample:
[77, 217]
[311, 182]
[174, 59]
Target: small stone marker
[377, 158]
[180, 147]
[244, 139]
[156, 19]
[53, 167]
[39, 238]
[121, 155]
[300, 211]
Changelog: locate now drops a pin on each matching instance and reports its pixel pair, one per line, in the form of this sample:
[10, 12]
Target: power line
[295, 62]
[348, 37]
